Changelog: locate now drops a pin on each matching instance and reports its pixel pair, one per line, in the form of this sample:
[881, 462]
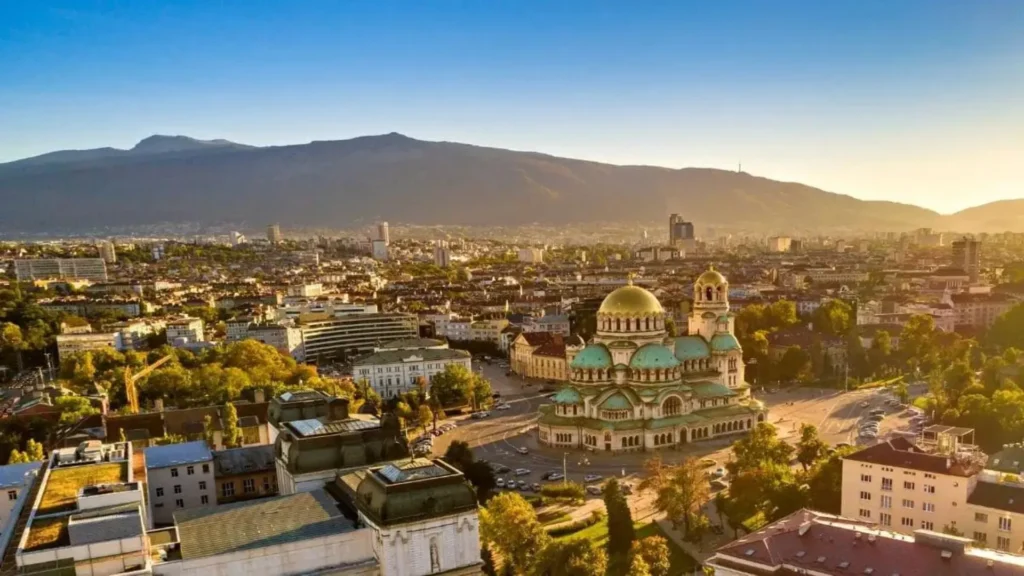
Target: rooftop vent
[749, 552]
[946, 554]
[844, 565]
[871, 537]
[801, 554]
[857, 536]
[821, 559]
[869, 570]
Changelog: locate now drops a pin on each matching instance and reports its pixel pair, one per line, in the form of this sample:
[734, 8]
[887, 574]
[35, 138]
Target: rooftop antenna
[739, 169]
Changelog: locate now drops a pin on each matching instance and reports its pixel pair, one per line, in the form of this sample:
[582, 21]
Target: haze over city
[914, 101]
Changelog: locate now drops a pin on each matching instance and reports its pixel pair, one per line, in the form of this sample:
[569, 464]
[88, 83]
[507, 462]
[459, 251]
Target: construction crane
[130, 380]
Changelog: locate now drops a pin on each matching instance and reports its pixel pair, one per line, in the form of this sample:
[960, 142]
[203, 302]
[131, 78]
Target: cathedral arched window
[709, 294]
[618, 324]
[647, 323]
[673, 406]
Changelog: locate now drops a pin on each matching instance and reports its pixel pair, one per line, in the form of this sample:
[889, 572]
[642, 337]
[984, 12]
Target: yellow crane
[130, 380]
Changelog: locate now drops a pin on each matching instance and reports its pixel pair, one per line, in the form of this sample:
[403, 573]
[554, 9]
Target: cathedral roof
[705, 390]
[616, 401]
[567, 395]
[712, 277]
[724, 342]
[631, 301]
[593, 356]
[653, 356]
[691, 348]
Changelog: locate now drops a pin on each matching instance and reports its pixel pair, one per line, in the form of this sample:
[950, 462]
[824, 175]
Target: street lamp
[753, 362]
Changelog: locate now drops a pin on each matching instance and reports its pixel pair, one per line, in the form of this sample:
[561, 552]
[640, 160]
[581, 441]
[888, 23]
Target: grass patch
[680, 561]
[64, 483]
[553, 516]
[48, 533]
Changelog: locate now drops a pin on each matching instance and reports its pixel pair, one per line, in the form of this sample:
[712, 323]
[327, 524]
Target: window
[885, 519]
[865, 513]
[927, 475]
[204, 499]
[1003, 543]
[925, 525]
[865, 495]
[1004, 524]
[12, 494]
[908, 503]
[928, 506]
[174, 472]
[908, 522]
[177, 488]
[248, 485]
[159, 491]
[190, 470]
[228, 489]
[179, 503]
[980, 517]
[865, 478]
[886, 501]
[158, 505]
[887, 484]
[266, 484]
[206, 468]
[908, 485]
[980, 537]
[202, 484]
[929, 489]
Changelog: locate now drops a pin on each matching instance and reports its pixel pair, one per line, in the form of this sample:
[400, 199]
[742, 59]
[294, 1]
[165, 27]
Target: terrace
[64, 484]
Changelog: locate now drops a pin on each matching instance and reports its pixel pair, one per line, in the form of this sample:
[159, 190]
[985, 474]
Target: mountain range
[335, 183]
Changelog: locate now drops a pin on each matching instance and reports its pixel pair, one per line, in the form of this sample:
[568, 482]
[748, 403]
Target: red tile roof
[902, 453]
[813, 542]
[537, 338]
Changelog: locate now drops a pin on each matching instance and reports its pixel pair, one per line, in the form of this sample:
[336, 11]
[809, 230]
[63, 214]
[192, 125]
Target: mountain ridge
[331, 182]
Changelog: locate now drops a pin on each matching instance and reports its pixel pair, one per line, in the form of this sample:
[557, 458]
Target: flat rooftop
[178, 454]
[410, 471]
[64, 484]
[13, 475]
[312, 428]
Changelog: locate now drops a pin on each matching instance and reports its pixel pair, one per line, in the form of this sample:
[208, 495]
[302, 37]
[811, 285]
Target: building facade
[15, 482]
[980, 310]
[352, 334]
[93, 269]
[185, 331]
[178, 477]
[394, 372]
[635, 388]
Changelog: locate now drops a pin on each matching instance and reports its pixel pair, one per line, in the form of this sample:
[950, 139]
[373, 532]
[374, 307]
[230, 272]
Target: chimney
[338, 409]
[259, 396]
[158, 404]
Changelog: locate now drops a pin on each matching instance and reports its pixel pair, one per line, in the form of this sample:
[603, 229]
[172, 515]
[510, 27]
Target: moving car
[503, 407]
[719, 473]
[500, 469]
[592, 478]
[522, 471]
[594, 490]
[522, 450]
[708, 462]
[554, 476]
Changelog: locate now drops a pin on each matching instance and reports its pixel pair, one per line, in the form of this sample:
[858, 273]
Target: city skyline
[912, 102]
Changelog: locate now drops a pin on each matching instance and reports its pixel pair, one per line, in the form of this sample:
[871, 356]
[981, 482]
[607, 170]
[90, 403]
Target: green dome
[567, 395]
[724, 343]
[691, 348]
[616, 402]
[653, 356]
[593, 356]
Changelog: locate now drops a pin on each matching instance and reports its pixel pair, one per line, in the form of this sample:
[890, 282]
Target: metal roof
[177, 454]
[411, 471]
[117, 524]
[312, 427]
[13, 475]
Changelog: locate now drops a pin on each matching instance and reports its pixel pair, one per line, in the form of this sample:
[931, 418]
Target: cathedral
[634, 388]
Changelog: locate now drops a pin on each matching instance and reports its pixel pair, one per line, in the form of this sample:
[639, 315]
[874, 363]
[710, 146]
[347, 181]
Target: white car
[555, 476]
[500, 482]
[503, 407]
[522, 450]
[591, 478]
[522, 471]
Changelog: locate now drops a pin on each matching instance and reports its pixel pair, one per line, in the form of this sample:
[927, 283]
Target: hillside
[1001, 216]
[402, 179]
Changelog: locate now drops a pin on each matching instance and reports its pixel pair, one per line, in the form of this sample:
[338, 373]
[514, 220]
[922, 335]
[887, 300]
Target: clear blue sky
[920, 101]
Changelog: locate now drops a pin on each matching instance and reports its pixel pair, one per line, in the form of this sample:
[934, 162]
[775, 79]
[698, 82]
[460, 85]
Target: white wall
[191, 493]
[406, 550]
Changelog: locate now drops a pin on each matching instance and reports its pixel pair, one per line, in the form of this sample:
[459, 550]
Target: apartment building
[393, 372]
[327, 338]
[15, 482]
[819, 544]
[244, 473]
[68, 344]
[980, 310]
[185, 331]
[287, 339]
[833, 276]
[487, 330]
[93, 269]
[554, 323]
[178, 477]
[522, 350]
[294, 309]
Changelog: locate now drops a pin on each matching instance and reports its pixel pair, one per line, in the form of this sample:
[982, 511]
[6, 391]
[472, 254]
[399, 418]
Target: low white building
[178, 477]
[531, 255]
[15, 482]
[185, 331]
[68, 344]
[395, 371]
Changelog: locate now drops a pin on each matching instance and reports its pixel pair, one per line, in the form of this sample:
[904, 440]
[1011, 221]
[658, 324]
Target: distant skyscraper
[158, 252]
[442, 255]
[382, 233]
[107, 251]
[274, 234]
[679, 230]
[967, 255]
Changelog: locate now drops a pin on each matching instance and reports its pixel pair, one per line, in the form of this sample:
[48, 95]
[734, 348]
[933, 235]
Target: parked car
[627, 489]
[522, 450]
[503, 407]
[554, 476]
[500, 482]
[594, 490]
[500, 469]
[592, 478]
[535, 487]
[523, 485]
[719, 473]
[522, 471]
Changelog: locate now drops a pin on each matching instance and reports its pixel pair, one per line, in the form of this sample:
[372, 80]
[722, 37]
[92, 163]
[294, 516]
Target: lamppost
[753, 362]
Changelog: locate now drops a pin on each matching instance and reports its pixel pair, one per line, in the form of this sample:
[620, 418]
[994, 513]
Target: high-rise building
[107, 251]
[274, 234]
[382, 233]
[442, 255]
[780, 244]
[158, 252]
[679, 230]
[967, 255]
[94, 269]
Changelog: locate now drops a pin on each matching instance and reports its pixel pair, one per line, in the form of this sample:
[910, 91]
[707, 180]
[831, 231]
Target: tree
[825, 482]
[12, 339]
[453, 386]
[571, 557]
[208, 431]
[795, 364]
[1006, 331]
[902, 392]
[232, 434]
[762, 446]
[655, 553]
[811, 447]
[833, 318]
[34, 451]
[881, 350]
[952, 530]
[73, 409]
[620, 519]
[488, 568]
[638, 567]
[679, 490]
[699, 526]
[509, 524]
[458, 454]
[956, 379]
[17, 457]
[426, 415]
[481, 391]
[120, 435]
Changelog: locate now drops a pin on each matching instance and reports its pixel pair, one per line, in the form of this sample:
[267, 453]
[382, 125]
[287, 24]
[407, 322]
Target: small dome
[616, 402]
[691, 348]
[593, 356]
[724, 343]
[711, 277]
[653, 356]
[631, 301]
[567, 395]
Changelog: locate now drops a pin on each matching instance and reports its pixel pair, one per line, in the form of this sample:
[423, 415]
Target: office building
[967, 256]
[679, 231]
[819, 544]
[92, 269]
[308, 290]
[237, 238]
[157, 251]
[178, 477]
[68, 344]
[341, 337]
[442, 255]
[980, 310]
[531, 255]
[780, 244]
[107, 251]
[397, 367]
[274, 234]
[382, 233]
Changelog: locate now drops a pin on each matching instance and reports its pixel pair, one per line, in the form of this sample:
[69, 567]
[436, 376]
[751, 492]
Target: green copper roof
[653, 356]
[593, 356]
[616, 402]
[567, 395]
[691, 348]
[705, 390]
[724, 343]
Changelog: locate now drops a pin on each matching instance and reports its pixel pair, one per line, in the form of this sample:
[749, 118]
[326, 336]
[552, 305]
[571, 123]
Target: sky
[917, 101]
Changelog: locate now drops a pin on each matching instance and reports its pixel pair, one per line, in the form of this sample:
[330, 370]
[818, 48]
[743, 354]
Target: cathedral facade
[634, 388]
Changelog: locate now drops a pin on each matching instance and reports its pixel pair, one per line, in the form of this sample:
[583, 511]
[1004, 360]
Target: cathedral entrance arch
[607, 441]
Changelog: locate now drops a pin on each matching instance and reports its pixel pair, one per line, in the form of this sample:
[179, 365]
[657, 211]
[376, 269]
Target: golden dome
[630, 301]
[712, 277]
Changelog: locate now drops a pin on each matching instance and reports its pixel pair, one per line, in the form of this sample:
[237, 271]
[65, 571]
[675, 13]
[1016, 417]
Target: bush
[569, 490]
[576, 526]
